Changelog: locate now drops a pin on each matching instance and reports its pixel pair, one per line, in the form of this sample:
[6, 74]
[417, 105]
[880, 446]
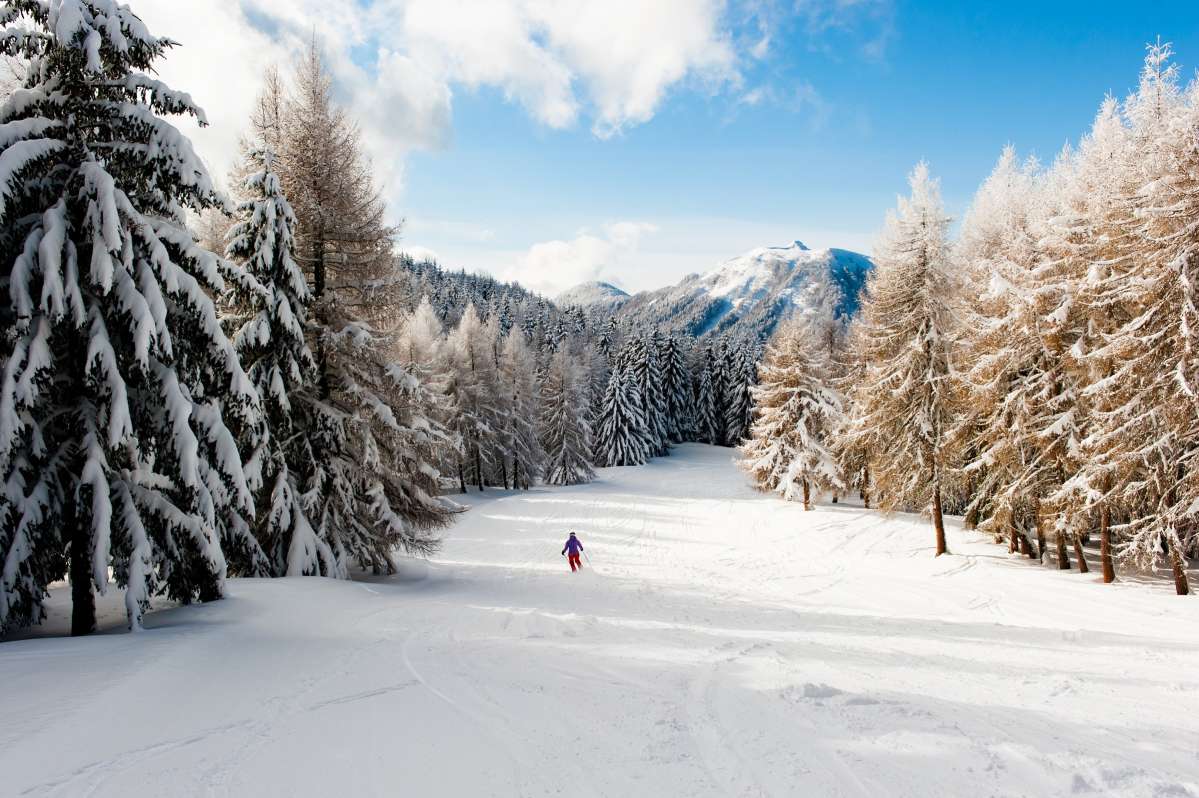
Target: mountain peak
[595, 292]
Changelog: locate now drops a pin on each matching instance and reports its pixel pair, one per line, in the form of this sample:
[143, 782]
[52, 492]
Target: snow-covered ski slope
[725, 644]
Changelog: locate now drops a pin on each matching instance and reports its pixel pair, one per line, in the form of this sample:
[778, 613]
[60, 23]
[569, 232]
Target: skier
[575, 547]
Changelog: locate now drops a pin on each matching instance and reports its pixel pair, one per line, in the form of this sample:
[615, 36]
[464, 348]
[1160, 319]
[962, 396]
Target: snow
[725, 643]
[751, 293]
[592, 293]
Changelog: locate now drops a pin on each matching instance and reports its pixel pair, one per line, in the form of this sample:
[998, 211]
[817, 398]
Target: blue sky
[638, 140]
[952, 84]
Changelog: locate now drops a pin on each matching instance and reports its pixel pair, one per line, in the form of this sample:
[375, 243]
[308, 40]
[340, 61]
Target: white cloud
[220, 62]
[418, 253]
[397, 62]
[553, 266]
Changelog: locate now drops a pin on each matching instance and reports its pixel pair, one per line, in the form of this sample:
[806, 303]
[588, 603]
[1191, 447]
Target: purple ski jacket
[573, 545]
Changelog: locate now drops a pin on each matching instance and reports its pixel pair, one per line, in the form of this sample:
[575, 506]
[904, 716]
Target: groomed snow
[725, 644]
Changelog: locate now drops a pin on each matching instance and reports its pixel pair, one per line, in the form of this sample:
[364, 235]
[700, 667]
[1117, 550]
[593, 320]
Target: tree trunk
[1083, 568]
[1042, 545]
[504, 474]
[1105, 547]
[1013, 545]
[939, 522]
[834, 498]
[479, 466]
[83, 600]
[1181, 586]
[866, 486]
[807, 497]
[1063, 559]
[461, 477]
[1025, 548]
[324, 389]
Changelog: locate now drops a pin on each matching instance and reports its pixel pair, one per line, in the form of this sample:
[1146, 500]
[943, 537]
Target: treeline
[531, 392]
[1038, 374]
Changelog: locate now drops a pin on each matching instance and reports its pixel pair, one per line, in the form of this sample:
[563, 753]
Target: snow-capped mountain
[750, 294]
[593, 294]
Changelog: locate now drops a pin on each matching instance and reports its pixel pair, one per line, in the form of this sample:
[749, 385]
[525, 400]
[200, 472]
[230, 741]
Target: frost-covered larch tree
[903, 402]
[797, 411]
[519, 401]
[422, 352]
[1085, 186]
[565, 423]
[621, 438]
[117, 377]
[473, 393]
[1145, 437]
[1015, 428]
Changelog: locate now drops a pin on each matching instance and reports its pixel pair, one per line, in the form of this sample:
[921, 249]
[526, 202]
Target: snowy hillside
[751, 293]
[724, 644]
[591, 294]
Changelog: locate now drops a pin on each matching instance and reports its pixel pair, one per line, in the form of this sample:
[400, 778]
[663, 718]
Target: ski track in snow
[725, 644]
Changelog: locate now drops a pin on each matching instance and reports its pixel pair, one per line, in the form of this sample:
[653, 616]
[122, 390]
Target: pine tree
[676, 389]
[272, 347]
[565, 424]
[118, 379]
[796, 413]
[903, 402]
[621, 439]
[710, 398]
[742, 376]
[642, 357]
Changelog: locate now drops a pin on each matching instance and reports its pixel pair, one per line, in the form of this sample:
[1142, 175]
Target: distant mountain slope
[590, 295]
[749, 295]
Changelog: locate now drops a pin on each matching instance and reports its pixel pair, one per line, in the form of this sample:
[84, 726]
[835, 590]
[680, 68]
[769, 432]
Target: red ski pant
[575, 565]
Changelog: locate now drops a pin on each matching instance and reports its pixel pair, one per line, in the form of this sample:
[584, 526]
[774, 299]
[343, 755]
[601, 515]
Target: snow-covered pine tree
[903, 401]
[520, 401]
[742, 374]
[565, 423]
[621, 439]
[117, 377]
[796, 413]
[642, 357]
[280, 453]
[676, 388]
[608, 339]
[709, 415]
